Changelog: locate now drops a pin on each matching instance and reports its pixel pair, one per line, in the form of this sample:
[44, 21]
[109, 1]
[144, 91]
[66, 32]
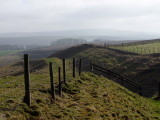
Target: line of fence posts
[27, 97]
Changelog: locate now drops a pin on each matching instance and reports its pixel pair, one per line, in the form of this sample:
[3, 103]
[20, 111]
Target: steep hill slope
[86, 97]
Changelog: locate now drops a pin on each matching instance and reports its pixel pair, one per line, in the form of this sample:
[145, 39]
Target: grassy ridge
[86, 97]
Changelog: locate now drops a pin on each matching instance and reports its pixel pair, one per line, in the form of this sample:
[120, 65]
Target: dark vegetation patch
[70, 52]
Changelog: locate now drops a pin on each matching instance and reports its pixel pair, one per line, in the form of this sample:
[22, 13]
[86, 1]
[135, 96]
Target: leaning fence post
[52, 82]
[60, 83]
[74, 67]
[64, 71]
[27, 97]
[80, 66]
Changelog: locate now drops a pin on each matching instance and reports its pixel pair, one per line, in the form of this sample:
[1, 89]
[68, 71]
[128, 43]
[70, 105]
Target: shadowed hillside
[71, 52]
[140, 68]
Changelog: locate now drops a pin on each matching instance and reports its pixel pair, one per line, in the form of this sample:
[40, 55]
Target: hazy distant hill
[88, 32]
[45, 38]
[68, 41]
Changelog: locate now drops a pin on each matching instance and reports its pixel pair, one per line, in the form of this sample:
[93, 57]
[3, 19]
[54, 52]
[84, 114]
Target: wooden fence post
[27, 97]
[60, 83]
[91, 66]
[159, 89]
[74, 67]
[140, 91]
[90, 62]
[80, 66]
[52, 82]
[122, 81]
[64, 71]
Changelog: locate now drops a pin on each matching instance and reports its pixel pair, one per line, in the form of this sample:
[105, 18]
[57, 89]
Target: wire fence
[144, 90]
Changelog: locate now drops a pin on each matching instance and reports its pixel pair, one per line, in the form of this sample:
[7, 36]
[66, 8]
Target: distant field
[146, 48]
[6, 52]
[9, 56]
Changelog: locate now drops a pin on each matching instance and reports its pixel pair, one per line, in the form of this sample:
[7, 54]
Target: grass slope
[86, 97]
[140, 68]
[149, 47]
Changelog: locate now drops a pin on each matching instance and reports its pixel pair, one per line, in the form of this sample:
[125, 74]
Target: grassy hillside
[86, 97]
[146, 47]
[142, 69]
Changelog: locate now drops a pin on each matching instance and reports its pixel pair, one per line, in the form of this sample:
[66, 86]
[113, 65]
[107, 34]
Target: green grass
[86, 97]
[7, 52]
[147, 48]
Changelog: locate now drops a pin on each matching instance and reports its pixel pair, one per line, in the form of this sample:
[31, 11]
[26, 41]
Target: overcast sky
[53, 15]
